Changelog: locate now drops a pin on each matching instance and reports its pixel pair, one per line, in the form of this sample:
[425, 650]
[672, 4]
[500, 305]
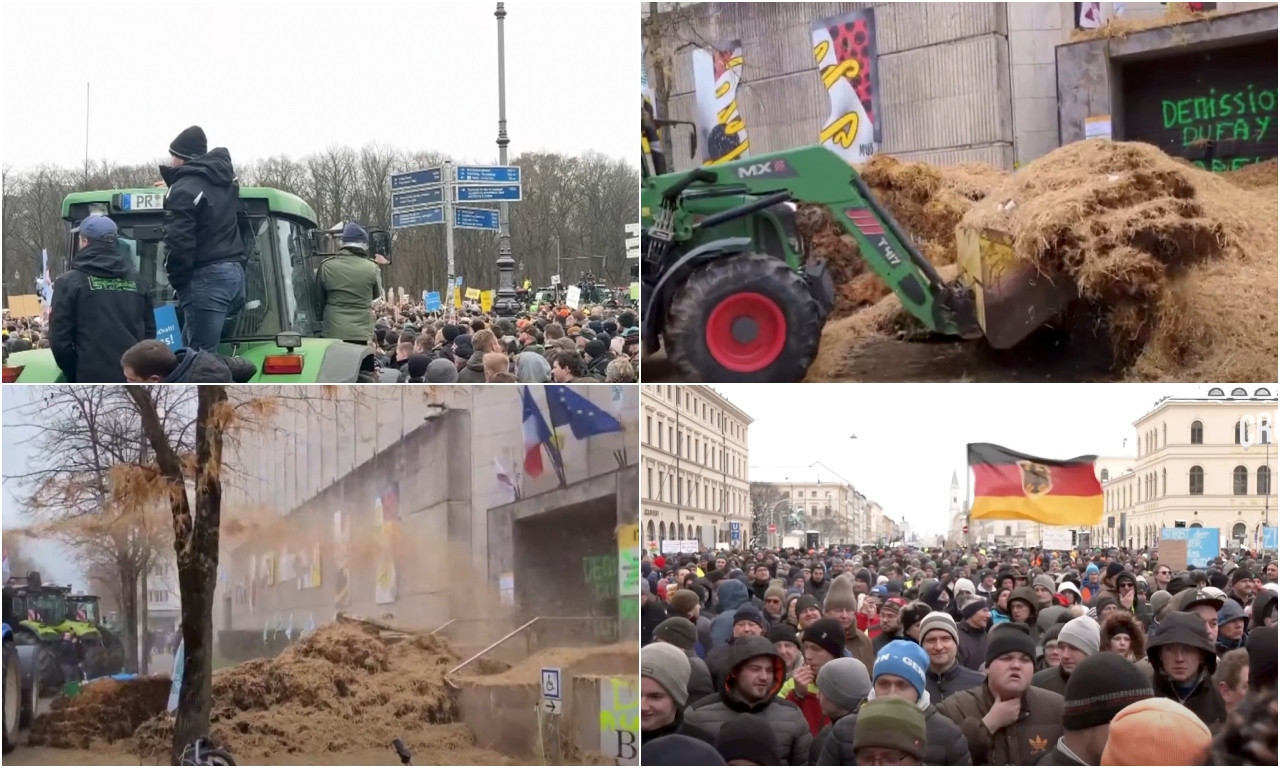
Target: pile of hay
[339, 689]
[1254, 176]
[927, 201]
[104, 710]
[1182, 262]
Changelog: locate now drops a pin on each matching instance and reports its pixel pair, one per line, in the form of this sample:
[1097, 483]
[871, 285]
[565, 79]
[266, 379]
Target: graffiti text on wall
[620, 720]
[1245, 115]
[601, 575]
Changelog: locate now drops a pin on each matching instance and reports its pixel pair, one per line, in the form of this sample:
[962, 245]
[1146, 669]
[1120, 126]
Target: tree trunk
[129, 606]
[144, 660]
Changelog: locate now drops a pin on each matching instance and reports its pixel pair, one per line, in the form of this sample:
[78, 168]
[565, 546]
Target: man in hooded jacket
[99, 309]
[203, 245]
[1183, 658]
[349, 281]
[751, 687]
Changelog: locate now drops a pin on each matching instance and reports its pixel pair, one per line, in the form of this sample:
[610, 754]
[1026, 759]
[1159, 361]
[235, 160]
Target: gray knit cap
[669, 666]
[1081, 632]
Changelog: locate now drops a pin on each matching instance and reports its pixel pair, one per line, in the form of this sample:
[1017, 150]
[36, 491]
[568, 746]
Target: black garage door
[1216, 108]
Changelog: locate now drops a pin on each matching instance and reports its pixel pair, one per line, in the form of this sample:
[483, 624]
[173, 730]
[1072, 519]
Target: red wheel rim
[746, 332]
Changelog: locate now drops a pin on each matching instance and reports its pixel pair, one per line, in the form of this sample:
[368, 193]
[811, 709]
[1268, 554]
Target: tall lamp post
[505, 306]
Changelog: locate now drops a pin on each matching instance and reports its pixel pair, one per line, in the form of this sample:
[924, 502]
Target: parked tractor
[66, 649]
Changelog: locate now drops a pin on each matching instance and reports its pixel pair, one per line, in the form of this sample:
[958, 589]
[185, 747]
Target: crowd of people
[902, 656]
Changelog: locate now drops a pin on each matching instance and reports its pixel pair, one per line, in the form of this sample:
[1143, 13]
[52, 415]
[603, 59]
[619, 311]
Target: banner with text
[844, 48]
[722, 133]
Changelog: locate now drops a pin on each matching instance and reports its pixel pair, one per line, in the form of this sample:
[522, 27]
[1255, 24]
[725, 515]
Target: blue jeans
[210, 303]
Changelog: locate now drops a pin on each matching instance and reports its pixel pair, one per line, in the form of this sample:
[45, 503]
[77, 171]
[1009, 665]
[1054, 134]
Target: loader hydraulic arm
[816, 175]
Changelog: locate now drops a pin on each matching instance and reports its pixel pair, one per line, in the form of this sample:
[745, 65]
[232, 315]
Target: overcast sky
[911, 437]
[287, 77]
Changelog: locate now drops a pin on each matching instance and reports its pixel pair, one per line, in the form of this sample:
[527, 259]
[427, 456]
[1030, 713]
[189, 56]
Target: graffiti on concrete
[600, 572]
[844, 49]
[629, 571]
[620, 720]
[722, 132]
[1246, 115]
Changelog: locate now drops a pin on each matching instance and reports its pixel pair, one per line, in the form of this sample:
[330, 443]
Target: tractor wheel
[114, 652]
[12, 697]
[95, 656]
[49, 676]
[745, 318]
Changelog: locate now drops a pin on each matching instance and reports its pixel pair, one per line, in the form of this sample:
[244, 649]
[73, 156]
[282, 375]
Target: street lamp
[505, 306]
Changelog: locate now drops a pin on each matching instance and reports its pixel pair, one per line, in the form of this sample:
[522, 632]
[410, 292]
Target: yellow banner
[457, 298]
[473, 293]
[486, 301]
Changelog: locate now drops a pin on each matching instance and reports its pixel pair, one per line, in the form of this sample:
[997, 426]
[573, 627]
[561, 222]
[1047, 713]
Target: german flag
[1008, 485]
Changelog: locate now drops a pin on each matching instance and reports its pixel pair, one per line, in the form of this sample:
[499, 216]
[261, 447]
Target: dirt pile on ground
[103, 711]
[927, 201]
[1180, 262]
[340, 689]
[1254, 176]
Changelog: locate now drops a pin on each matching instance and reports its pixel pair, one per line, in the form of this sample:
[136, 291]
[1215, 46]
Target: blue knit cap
[905, 659]
[354, 233]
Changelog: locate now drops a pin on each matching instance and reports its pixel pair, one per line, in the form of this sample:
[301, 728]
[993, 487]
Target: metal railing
[526, 627]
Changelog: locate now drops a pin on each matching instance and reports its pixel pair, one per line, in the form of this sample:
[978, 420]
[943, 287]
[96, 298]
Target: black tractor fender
[655, 311]
[342, 363]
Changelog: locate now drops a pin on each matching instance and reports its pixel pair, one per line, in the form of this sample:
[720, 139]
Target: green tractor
[278, 330]
[733, 293]
[86, 608]
[39, 616]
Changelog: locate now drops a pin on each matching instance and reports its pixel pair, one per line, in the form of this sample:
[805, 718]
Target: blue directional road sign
[489, 174]
[417, 197]
[475, 218]
[488, 193]
[418, 217]
[423, 178]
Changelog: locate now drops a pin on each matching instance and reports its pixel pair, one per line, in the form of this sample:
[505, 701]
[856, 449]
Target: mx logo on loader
[774, 169]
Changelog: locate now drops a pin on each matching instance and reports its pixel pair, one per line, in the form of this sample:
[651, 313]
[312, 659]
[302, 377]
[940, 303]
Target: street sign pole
[505, 306]
[446, 177]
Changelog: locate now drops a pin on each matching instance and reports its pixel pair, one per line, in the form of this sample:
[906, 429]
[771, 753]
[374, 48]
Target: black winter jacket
[100, 309]
[958, 678]
[473, 371]
[205, 367]
[200, 216]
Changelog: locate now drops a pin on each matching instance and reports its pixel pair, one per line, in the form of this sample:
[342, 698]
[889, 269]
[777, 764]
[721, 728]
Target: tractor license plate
[143, 201]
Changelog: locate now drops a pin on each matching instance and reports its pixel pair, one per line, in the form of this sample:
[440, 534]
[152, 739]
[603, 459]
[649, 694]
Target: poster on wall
[341, 561]
[387, 518]
[646, 93]
[620, 720]
[722, 133]
[844, 48]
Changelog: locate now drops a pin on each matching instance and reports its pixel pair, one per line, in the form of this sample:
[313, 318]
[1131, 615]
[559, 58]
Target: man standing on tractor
[205, 253]
[99, 308]
[349, 282]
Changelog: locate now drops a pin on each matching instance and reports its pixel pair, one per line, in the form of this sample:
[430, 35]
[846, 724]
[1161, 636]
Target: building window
[649, 530]
[1197, 433]
[1197, 481]
[1164, 482]
[1238, 531]
[1105, 475]
[1239, 481]
[1264, 481]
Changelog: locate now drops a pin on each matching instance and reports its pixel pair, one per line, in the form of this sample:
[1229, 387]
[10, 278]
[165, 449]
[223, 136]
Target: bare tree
[765, 497]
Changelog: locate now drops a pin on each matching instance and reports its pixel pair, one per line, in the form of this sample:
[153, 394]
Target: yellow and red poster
[844, 48]
[387, 519]
[722, 133]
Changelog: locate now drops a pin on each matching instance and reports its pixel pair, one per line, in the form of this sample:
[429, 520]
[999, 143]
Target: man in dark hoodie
[1184, 661]
[818, 585]
[751, 687]
[203, 246]
[99, 308]
[150, 361]
[731, 595]
[482, 343]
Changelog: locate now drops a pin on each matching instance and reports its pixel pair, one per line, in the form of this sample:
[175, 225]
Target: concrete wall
[959, 82]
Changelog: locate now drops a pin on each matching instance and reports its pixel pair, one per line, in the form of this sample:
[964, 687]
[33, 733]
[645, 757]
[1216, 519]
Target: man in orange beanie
[1156, 732]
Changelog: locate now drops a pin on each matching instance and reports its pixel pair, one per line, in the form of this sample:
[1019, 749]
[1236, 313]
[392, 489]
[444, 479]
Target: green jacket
[349, 282]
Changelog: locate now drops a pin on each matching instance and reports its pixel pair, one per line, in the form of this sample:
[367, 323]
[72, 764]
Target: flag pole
[968, 505]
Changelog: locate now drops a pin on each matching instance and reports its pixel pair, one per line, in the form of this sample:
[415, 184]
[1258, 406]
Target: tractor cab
[278, 329]
[85, 608]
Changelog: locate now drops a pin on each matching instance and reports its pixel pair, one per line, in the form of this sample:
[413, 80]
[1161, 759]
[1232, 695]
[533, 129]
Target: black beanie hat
[189, 144]
[1009, 637]
[417, 367]
[783, 633]
[1099, 688]
[678, 749]
[677, 631]
[827, 634]
[806, 602]
[913, 614]
[1114, 569]
[747, 737]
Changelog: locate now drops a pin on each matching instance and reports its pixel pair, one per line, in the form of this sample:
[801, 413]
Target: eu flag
[583, 416]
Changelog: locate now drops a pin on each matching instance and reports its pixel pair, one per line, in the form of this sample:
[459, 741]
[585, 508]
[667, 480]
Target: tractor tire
[12, 697]
[48, 673]
[114, 652]
[94, 662]
[744, 318]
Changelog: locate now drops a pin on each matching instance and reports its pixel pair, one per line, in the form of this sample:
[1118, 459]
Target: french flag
[536, 433]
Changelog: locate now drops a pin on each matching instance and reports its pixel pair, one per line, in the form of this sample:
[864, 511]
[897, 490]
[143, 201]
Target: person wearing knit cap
[1231, 627]
[681, 633]
[1006, 721]
[843, 684]
[941, 640]
[664, 693]
[1045, 589]
[787, 643]
[1156, 732]
[349, 282]
[685, 603]
[1102, 686]
[1183, 660]
[889, 732]
[204, 252]
[841, 605]
[822, 642]
[754, 676]
[1078, 640]
[1242, 586]
[808, 610]
[890, 623]
[773, 603]
[747, 740]
[910, 616]
[975, 617]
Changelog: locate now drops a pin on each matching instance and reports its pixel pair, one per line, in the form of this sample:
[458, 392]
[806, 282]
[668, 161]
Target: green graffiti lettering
[1264, 124]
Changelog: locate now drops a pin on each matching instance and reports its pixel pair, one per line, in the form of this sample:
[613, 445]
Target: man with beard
[751, 687]
[890, 623]
[817, 585]
[1241, 586]
[773, 605]
[1005, 720]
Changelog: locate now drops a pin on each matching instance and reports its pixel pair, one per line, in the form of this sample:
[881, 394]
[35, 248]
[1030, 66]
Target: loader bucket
[1012, 297]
